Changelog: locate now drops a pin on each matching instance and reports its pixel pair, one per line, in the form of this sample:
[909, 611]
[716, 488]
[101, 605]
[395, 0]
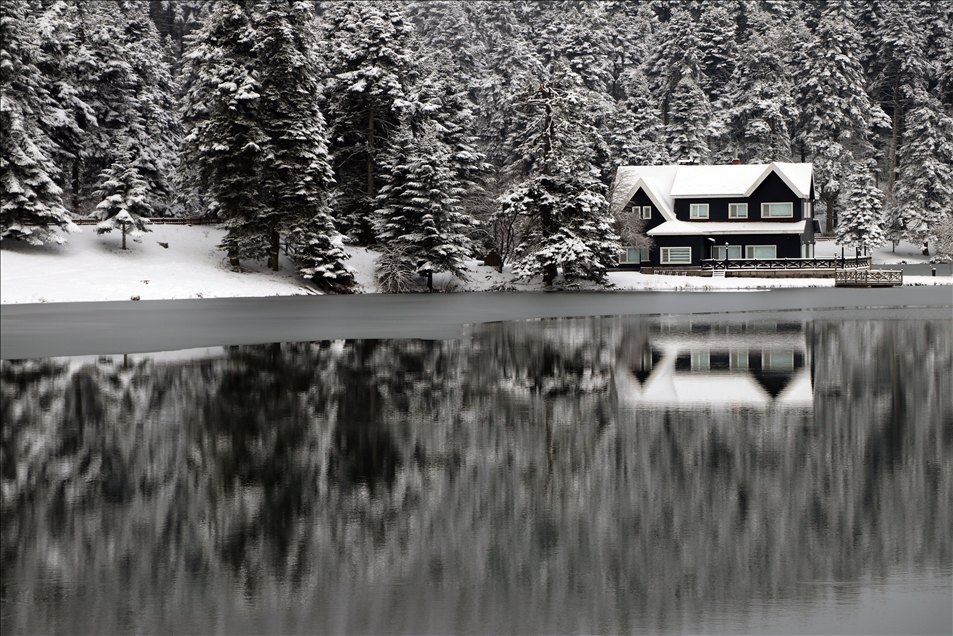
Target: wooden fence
[754, 264]
[868, 278]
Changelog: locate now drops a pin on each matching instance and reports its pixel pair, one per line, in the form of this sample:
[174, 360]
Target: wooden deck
[868, 278]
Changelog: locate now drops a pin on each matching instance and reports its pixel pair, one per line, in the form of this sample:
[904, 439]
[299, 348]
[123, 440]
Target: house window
[718, 251]
[676, 255]
[737, 210]
[777, 360]
[806, 209]
[646, 211]
[634, 255]
[701, 360]
[739, 359]
[761, 251]
[777, 210]
[699, 210]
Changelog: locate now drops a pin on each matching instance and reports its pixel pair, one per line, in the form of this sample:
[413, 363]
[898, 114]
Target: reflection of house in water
[763, 364]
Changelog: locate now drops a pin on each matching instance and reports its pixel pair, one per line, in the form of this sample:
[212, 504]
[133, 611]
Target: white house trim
[703, 228]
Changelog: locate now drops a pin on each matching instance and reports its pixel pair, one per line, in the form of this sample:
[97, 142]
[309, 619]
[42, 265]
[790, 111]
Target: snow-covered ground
[92, 267]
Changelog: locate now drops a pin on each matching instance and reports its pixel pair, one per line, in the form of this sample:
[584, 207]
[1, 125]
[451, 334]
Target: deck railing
[868, 278]
[850, 263]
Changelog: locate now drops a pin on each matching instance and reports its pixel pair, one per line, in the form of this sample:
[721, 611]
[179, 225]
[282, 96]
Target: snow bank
[92, 267]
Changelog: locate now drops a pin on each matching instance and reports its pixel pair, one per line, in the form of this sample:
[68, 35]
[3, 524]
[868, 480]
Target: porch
[767, 268]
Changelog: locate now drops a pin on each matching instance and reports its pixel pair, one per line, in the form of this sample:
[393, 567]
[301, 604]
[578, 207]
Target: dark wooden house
[754, 212]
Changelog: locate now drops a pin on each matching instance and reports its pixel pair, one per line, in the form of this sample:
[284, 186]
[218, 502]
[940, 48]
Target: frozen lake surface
[764, 472]
[59, 329]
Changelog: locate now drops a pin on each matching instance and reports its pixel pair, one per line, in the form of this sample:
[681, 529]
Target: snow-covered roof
[694, 228]
[739, 180]
[666, 388]
[664, 184]
[655, 180]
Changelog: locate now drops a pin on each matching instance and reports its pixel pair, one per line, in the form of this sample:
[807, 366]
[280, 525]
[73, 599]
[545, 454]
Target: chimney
[736, 161]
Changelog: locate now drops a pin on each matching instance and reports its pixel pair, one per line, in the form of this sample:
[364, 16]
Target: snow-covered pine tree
[123, 197]
[689, 121]
[899, 67]
[677, 78]
[635, 132]
[924, 186]
[152, 120]
[420, 211]
[837, 115]
[366, 47]
[32, 207]
[561, 155]
[718, 47]
[296, 177]
[634, 129]
[757, 107]
[223, 149]
[863, 227]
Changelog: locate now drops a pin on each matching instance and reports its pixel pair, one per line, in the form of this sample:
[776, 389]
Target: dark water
[573, 475]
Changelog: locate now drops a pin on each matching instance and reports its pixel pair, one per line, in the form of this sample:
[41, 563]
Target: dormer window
[698, 210]
[737, 210]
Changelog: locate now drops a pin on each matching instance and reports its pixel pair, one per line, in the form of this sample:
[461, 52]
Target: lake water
[791, 474]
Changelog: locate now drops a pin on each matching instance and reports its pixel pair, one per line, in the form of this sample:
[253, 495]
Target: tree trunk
[123, 236]
[549, 271]
[367, 232]
[275, 248]
[430, 281]
[75, 185]
[894, 143]
[926, 248]
[830, 216]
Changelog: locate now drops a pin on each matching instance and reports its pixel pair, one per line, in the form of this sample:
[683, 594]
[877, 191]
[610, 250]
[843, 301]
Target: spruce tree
[296, 179]
[863, 227]
[123, 197]
[924, 186]
[561, 156]
[837, 115]
[420, 214]
[223, 149]
[32, 207]
[367, 50]
[757, 108]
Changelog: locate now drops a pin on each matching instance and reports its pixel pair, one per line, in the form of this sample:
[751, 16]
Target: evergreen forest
[437, 131]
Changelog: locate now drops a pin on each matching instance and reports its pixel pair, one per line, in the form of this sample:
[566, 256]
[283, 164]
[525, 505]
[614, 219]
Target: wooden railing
[852, 263]
[868, 278]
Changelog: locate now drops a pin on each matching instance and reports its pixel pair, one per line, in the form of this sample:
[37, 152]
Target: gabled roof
[664, 184]
[655, 180]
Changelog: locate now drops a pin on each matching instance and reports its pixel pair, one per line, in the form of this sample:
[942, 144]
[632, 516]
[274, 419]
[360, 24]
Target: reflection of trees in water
[509, 464]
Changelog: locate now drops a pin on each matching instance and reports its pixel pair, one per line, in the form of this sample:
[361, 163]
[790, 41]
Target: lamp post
[726, 257]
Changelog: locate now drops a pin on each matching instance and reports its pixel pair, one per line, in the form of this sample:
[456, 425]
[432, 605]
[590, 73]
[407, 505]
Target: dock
[868, 278]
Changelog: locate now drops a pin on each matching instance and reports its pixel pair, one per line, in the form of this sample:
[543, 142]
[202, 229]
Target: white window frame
[806, 210]
[701, 359]
[767, 206]
[771, 360]
[643, 255]
[666, 258]
[738, 359]
[737, 210]
[646, 211]
[721, 255]
[698, 211]
[749, 252]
